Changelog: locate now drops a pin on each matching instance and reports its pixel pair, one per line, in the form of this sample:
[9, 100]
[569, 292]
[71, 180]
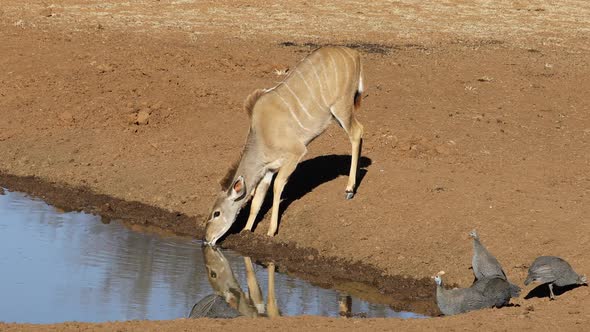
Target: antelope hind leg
[356, 140]
[343, 112]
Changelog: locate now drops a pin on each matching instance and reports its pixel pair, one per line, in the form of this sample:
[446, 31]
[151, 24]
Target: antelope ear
[238, 189]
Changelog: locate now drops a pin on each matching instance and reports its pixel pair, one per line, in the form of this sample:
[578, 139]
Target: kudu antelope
[325, 85]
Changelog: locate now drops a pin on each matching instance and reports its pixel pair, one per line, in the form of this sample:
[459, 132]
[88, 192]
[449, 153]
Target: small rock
[66, 117]
[405, 146]
[442, 150]
[47, 12]
[104, 68]
[132, 118]
[438, 189]
[143, 118]
[310, 257]
[156, 106]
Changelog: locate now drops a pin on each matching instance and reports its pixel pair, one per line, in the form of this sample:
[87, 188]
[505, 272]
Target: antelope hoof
[349, 194]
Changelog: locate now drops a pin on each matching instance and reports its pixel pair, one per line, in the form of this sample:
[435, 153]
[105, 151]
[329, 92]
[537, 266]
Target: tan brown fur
[249, 103]
[251, 100]
[227, 180]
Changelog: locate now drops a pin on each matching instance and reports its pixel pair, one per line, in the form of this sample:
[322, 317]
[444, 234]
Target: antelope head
[225, 210]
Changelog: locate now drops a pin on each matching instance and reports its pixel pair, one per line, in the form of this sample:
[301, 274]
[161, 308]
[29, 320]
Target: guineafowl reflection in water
[229, 300]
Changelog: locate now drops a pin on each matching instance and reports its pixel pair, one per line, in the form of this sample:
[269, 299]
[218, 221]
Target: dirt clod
[66, 117]
[143, 117]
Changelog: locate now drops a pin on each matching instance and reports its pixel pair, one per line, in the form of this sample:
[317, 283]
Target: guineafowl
[213, 306]
[553, 270]
[485, 265]
[455, 301]
[484, 293]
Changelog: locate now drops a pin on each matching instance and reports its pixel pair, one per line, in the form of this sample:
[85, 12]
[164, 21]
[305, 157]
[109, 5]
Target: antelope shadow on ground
[543, 291]
[309, 174]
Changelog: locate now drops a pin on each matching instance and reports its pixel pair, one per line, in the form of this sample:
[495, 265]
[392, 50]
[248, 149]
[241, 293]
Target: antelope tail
[359, 91]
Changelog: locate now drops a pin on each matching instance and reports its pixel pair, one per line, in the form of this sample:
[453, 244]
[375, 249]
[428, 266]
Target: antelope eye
[213, 274]
[216, 214]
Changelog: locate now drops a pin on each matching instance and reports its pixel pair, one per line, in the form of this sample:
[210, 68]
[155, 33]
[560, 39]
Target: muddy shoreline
[402, 294]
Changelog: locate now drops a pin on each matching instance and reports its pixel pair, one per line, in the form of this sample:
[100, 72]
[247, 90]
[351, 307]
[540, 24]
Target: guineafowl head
[582, 280]
[473, 234]
[438, 279]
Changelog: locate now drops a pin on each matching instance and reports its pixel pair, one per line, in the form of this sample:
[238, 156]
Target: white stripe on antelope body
[325, 85]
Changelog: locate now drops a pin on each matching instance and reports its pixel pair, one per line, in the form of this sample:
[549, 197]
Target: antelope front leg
[356, 140]
[253, 286]
[258, 200]
[282, 176]
[271, 300]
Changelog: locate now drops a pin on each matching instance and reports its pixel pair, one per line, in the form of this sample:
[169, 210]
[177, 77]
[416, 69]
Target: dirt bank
[475, 117]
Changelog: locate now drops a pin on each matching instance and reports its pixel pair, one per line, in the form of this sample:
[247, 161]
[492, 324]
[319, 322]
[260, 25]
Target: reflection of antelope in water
[225, 285]
[229, 301]
[325, 85]
[344, 305]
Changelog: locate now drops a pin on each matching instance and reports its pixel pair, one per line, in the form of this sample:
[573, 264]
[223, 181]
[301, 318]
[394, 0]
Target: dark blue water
[57, 267]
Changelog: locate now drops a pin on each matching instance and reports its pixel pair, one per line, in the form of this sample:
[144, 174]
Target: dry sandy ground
[476, 116]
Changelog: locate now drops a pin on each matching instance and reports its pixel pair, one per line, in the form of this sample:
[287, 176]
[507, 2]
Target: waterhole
[57, 266]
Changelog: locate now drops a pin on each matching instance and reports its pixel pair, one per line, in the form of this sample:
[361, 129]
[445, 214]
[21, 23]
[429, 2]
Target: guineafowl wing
[542, 273]
[497, 292]
[474, 300]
